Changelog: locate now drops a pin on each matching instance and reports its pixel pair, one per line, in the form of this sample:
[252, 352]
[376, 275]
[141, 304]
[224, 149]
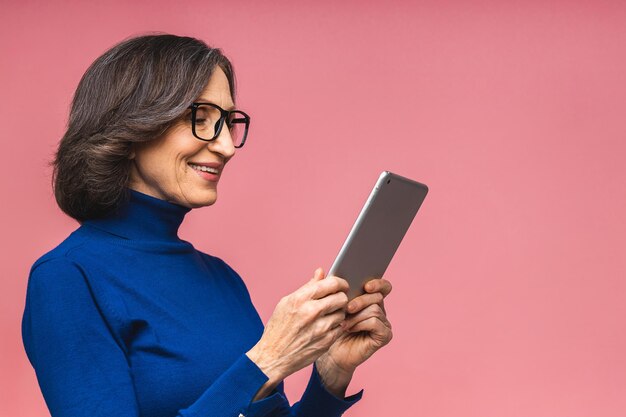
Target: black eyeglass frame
[224, 114]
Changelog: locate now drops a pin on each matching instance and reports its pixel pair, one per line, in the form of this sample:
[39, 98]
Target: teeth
[205, 169]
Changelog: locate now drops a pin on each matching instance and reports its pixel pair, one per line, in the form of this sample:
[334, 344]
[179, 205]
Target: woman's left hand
[367, 329]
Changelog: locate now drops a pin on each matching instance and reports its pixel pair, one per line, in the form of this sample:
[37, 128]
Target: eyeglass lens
[208, 119]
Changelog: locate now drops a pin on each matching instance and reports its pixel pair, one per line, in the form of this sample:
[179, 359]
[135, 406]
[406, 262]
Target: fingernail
[370, 286]
[351, 306]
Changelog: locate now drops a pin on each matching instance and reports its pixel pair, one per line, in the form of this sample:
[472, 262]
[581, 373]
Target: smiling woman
[124, 318]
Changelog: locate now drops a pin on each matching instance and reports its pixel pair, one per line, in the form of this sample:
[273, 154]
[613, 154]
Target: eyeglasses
[207, 120]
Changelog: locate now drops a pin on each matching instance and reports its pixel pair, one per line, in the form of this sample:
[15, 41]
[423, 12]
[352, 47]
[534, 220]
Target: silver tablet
[378, 230]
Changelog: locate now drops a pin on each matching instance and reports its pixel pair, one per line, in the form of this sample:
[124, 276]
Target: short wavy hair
[132, 93]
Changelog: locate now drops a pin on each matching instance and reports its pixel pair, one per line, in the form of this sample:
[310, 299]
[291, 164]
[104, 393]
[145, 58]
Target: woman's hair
[132, 93]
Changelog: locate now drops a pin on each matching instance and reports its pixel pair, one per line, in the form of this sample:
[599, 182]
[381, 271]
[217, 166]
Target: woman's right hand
[302, 327]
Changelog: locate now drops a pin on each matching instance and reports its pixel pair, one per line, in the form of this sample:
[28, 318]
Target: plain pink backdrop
[510, 287]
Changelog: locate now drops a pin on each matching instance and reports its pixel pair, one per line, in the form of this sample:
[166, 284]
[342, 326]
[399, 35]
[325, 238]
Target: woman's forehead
[217, 90]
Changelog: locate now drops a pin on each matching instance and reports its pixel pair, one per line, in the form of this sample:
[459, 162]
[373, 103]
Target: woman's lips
[207, 175]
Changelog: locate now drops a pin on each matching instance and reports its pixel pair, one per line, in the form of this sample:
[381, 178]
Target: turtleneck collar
[143, 217]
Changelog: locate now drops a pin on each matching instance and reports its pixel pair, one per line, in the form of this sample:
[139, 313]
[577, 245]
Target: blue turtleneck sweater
[123, 318]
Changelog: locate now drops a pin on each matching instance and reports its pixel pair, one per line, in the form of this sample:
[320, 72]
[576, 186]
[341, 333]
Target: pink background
[509, 289]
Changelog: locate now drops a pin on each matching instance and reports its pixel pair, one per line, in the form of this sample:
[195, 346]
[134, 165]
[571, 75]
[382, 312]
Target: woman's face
[161, 166]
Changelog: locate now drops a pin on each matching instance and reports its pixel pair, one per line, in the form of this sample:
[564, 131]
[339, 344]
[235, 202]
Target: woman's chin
[207, 198]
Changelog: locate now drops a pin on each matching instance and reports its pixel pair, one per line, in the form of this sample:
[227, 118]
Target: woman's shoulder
[55, 275]
[75, 253]
[61, 252]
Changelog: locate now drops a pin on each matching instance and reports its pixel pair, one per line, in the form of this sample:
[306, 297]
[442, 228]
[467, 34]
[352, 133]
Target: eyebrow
[209, 101]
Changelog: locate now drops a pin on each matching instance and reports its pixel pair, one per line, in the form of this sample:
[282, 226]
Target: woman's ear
[132, 151]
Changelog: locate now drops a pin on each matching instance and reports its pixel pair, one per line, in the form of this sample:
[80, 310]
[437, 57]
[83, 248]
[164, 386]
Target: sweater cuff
[234, 390]
[318, 401]
[263, 406]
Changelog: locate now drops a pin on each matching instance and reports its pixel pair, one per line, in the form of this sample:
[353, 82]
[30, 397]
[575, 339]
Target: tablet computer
[378, 230]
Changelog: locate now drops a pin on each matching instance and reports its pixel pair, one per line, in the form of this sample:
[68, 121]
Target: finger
[331, 284]
[332, 302]
[373, 310]
[375, 327]
[318, 274]
[378, 285]
[359, 303]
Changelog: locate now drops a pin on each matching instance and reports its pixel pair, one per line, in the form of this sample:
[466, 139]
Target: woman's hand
[302, 327]
[367, 330]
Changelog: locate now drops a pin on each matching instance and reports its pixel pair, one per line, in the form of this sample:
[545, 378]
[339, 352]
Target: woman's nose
[223, 143]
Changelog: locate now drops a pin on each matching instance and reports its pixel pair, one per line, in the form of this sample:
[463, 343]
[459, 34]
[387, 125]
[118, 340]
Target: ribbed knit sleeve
[318, 401]
[83, 371]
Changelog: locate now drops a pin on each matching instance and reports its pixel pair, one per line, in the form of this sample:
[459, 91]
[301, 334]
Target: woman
[123, 318]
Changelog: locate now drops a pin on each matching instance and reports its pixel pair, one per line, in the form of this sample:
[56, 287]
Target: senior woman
[124, 318]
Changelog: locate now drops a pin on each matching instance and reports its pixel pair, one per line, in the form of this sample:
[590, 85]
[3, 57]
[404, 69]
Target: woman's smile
[210, 171]
[209, 176]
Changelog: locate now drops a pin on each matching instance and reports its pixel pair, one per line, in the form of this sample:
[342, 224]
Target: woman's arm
[80, 368]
